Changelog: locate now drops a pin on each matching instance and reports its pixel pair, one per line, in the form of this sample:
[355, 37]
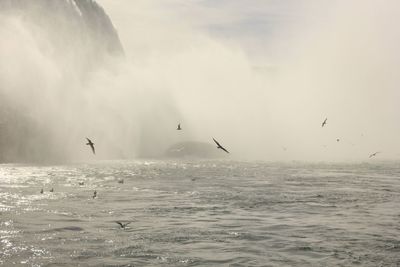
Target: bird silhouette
[324, 123]
[219, 146]
[373, 154]
[81, 183]
[41, 191]
[121, 181]
[52, 190]
[123, 225]
[179, 127]
[91, 144]
[94, 194]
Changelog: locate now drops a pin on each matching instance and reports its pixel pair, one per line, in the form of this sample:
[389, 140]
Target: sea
[200, 213]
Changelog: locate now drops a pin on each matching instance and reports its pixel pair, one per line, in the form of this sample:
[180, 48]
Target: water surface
[201, 213]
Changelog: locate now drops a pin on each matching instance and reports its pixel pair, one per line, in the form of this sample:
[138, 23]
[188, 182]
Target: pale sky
[249, 24]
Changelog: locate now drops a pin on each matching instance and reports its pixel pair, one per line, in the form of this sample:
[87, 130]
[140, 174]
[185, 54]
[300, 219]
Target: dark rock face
[81, 23]
[74, 38]
[194, 150]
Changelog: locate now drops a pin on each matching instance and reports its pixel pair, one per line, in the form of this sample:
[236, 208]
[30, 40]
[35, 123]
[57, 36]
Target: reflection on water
[207, 213]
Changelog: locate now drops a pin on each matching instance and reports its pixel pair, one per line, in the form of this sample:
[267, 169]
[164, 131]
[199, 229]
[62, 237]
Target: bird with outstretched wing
[123, 225]
[324, 123]
[91, 144]
[219, 146]
[373, 154]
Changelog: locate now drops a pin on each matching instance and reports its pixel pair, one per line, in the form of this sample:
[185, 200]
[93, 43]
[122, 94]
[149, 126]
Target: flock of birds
[179, 128]
[337, 140]
[121, 181]
[219, 146]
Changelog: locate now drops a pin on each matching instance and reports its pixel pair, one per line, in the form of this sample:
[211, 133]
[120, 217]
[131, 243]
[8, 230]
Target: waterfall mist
[262, 76]
[63, 77]
[262, 94]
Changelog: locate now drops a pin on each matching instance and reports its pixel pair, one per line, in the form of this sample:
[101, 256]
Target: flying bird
[374, 154]
[94, 194]
[52, 190]
[91, 144]
[179, 127]
[81, 183]
[41, 191]
[123, 225]
[220, 147]
[120, 181]
[324, 123]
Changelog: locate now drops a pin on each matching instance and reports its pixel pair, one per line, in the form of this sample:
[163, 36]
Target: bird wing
[94, 151]
[224, 149]
[219, 146]
[88, 140]
[120, 224]
[216, 142]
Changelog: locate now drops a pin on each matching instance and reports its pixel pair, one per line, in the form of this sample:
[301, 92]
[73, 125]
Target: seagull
[91, 144]
[94, 194]
[220, 147]
[123, 225]
[81, 183]
[374, 154]
[179, 127]
[323, 124]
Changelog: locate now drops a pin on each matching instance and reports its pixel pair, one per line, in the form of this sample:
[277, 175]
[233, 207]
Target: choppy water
[201, 214]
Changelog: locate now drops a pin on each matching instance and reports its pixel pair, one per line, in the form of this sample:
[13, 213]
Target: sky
[249, 26]
[262, 75]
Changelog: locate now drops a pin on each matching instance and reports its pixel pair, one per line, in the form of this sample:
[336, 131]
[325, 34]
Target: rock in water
[193, 150]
